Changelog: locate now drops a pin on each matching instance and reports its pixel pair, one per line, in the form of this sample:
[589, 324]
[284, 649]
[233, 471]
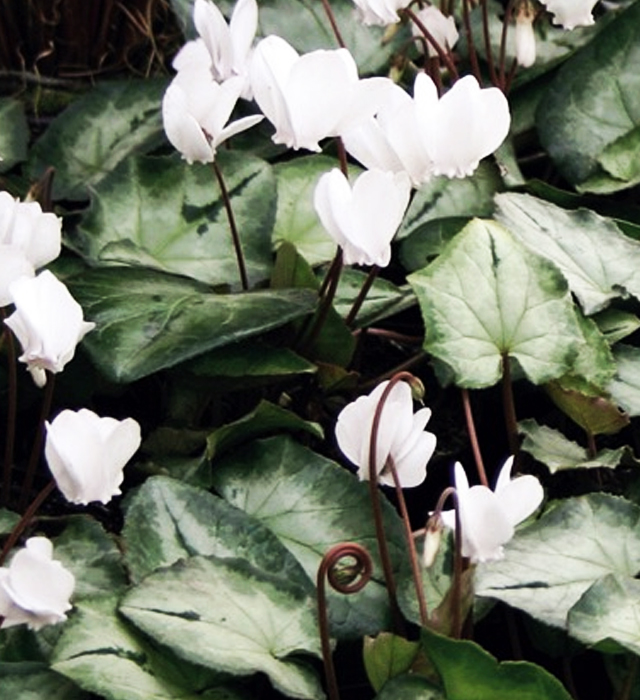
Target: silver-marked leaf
[147, 321]
[87, 140]
[625, 386]
[599, 262]
[607, 615]
[589, 119]
[443, 197]
[167, 520]
[165, 214]
[486, 296]
[556, 452]
[228, 616]
[38, 684]
[321, 506]
[104, 655]
[549, 564]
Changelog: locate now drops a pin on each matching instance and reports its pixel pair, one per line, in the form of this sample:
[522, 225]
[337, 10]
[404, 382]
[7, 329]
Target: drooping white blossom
[379, 12]
[35, 588]
[195, 112]
[310, 97]
[363, 220]
[47, 321]
[401, 435]
[488, 518]
[224, 50]
[442, 29]
[427, 135]
[571, 13]
[87, 454]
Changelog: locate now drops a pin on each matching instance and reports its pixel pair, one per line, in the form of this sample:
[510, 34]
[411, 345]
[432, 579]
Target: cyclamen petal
[380, 12]
[35, 588]
[48, 323]
[363, 219]
[87, 454]
[308, 98]
[571, 13]
[442, 29]
[487, 517]
[401, 435]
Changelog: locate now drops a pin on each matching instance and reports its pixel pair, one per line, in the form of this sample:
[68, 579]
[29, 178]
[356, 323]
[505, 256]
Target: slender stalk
[402, 367]
[487, 42]
[413, 555]
[473, 436]
[473, 54]
[36, 449]
[381, 537]
[24, 521]
[394, 336]
[342, 157]
[592, 448]
[509, 407]
[443, 55]
[334, 25]
[12, 402]
[235, 236]
[327, 571]
[502, 80]
[329, 285]
[362, 295]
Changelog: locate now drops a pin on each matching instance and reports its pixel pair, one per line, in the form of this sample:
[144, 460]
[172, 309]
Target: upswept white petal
[182, 128]
[485, 527]
[47, 321]
[272, 62]
[369, 145]
[571, 13]
[379, 12]
[35, 588]
[243, 26]
[212, 27]
[87, 454]
[194, 55]
[468, 124]
[25, 226]
[363, 219]
[401, 435]
[488, 518]
[442, 29]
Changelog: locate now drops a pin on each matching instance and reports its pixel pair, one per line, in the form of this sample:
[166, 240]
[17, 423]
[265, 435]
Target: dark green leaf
[165, 214]
[147, 321]
[14, 135]
[100, 129]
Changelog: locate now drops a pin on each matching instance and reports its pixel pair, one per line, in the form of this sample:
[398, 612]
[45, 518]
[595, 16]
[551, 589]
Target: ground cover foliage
[513, 292]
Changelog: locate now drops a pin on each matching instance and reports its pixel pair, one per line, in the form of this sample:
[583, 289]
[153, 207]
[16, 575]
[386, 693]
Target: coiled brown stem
[345, 580]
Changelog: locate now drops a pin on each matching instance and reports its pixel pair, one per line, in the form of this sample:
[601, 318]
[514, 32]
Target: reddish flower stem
[473, 437]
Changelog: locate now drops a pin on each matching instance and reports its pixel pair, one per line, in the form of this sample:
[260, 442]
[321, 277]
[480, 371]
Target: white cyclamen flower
[35, 588]
[571, 13]
[488, 518]
[308, 98]
[87, 454]
[380, 12]
[195, 112]
[363, 220]
[401, 435]
[29, 239]
[224, 49]
[427, 135]
[48, 323]
[442, 29]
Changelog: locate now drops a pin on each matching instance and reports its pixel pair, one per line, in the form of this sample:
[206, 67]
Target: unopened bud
[525, 36]
[432, 538]
[417, 388]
